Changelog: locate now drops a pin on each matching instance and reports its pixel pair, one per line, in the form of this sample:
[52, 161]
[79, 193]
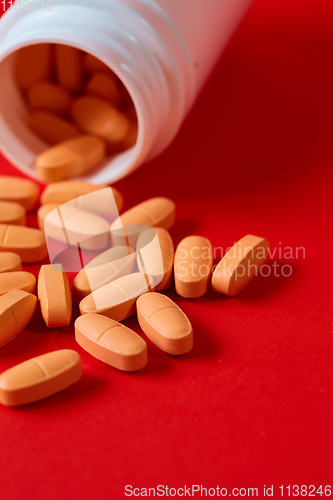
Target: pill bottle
[162, 50]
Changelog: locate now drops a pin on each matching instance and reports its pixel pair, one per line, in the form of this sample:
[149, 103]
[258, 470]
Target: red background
[252, 403]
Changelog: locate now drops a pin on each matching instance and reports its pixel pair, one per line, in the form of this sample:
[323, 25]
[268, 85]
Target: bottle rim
[127, 56]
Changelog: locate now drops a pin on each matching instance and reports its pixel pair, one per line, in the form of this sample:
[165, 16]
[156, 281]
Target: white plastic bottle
[162, 50]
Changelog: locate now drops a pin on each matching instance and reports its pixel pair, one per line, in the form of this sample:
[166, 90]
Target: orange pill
[106, 267]
[43, 212]
[39, 377]
[192, 266]
[17, 280]
[101, 203]
[16, 310]
[10, 262]
[93, 65]
[71, 226]
[70, 158]
[21, 191]
[105, 87]
[164, 323]
[54, 295]
[155, 254]
[63, 191]
[52, 128]
[240, 264]
[130, 139]
[98, 117]
[33, 64]
[155, 212]
[116, 300]
[111, 342]
[26, 242]
[47, 96]
[69, 67]
[12, 213]
[128, 142]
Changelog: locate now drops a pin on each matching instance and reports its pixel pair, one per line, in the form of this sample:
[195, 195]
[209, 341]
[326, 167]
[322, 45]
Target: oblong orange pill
[12, 213]
[16, 310]
[116, 300]
[55, 296]
[106, 267]
[39, 377]
[10, 262]
[70, 226]
[153, 245]
[65, 191]
[105, 87]
[52, 128]
[17, 280]
[192, 266]
[48, 96]
[240, 264]
[155, 212]
[130, 139]
[98, 117]
[164, 323]
[126, 143]
[28, 243]
[22, 191]
[70, 158]
[69, 67]
[43, 212]
[111, 342]
[33, 64]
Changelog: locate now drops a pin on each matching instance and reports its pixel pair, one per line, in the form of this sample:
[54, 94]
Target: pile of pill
[77, 106]
[123, 278]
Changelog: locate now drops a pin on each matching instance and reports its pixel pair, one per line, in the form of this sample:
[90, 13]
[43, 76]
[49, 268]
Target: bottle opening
[53, 93]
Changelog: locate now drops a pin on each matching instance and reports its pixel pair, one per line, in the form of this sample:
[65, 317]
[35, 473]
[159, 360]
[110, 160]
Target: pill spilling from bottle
[125, 263]
[77, 106]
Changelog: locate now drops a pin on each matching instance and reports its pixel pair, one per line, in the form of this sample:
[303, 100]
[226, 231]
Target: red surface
[251, 405]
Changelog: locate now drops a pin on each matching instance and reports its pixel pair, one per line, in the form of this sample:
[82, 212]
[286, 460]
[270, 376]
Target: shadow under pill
[214, 296]
[154, 366]
[262, 287]
[203, 344]
[87, 386]
[21, 345]
[37, 323]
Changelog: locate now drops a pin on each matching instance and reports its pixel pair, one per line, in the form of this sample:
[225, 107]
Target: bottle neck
[153, 73]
